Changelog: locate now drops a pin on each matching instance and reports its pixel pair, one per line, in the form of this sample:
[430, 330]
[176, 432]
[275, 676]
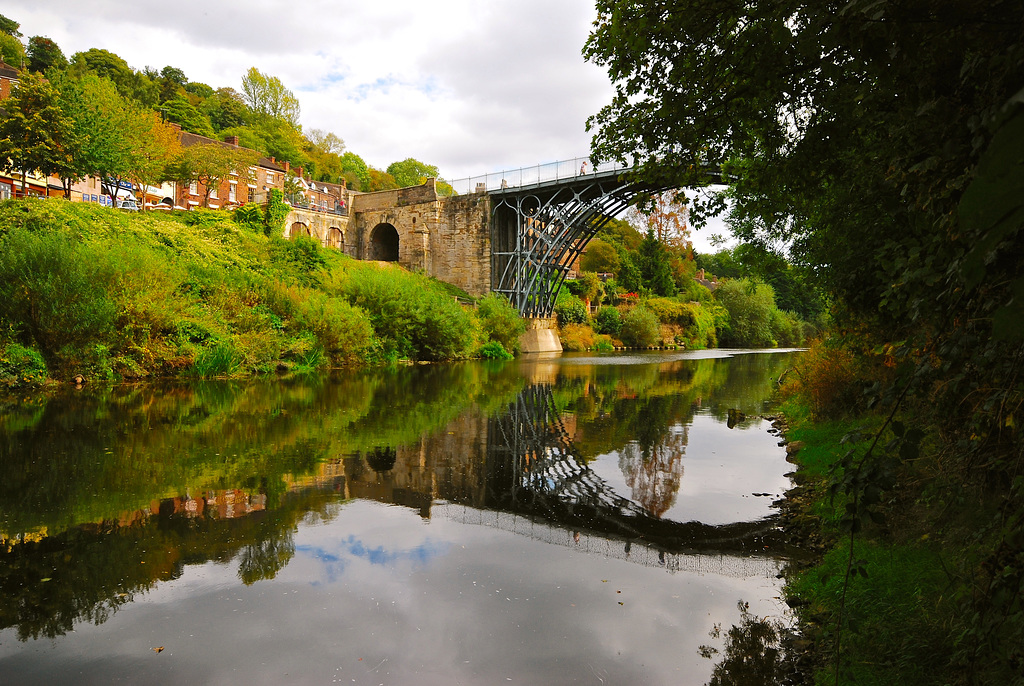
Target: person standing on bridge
[583, 168]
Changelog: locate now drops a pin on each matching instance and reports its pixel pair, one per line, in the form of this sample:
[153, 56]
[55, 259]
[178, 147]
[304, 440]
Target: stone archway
[335, 238]
[384, 243]
[298, 229]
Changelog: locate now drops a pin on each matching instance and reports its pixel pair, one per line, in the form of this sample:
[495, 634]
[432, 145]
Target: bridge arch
[384, 243]
[298, 229]
[335, 238]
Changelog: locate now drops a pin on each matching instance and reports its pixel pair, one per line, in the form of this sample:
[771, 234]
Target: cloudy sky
[472, 86]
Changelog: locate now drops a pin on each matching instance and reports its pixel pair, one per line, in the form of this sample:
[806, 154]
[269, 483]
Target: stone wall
[318, 225]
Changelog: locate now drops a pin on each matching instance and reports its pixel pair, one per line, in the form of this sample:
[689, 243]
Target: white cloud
[471, 86]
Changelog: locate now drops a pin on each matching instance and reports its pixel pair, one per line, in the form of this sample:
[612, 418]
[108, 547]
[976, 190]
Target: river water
[573, 519]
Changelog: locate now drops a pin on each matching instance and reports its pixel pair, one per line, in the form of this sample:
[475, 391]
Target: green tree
[153, 144]
[266, 96]
[353, 166]
[655, 270]
[12, 50]
[410, 172]
[225, 108]
[210, 164]
[9, 27]
[36, 134]
[600, 257]
[181, 111]
[751, 308]
[44, 54]
[380, 181]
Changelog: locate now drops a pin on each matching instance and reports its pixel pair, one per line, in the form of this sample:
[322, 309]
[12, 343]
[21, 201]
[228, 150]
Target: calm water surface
[575, 519]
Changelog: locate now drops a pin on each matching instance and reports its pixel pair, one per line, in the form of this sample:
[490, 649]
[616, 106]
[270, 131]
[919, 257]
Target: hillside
[91, 291]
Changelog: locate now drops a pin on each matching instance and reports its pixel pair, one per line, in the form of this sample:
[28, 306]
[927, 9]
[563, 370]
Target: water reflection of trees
[654, 471]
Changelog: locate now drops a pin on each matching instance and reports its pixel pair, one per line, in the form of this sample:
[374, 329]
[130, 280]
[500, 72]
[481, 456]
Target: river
[584, 519]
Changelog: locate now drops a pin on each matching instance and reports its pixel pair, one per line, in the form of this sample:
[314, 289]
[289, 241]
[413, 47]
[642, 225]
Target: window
[193, 188]
[232, 192]
[213, 192]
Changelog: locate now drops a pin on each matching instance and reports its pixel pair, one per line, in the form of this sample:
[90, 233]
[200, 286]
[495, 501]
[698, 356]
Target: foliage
[35, 134]
[829, 380]
[43, 54]
[9, 27]
[750, 306]
[410, 172]
[664, 214]
[494, 350]
[409, 321]
[380, 181]
[267, 97]
[600, 257]
[21, 366]
[54, 293]
[608, 321]
[653, 261]
[576, 337]
[500, 321]
[275, 213]
[12, 50]
[250, 215]
[639, 328]
[570, 310]
[181, 111]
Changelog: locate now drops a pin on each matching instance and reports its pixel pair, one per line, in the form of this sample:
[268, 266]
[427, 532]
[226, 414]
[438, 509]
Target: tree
[655, 270]
[325, 142]
[9, 27]
[353, 166]
[211, 163]
[11, 50]
[225, 108]
[600, 257]
[36, 135]
[44, 54]
[181, 111]
[153, 144]
[666, 215]
[410, 172]
[266, 96]
[380, 181]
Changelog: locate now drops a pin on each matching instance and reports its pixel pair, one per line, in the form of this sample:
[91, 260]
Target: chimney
[299, 173]
[231, 140]
[287, 167]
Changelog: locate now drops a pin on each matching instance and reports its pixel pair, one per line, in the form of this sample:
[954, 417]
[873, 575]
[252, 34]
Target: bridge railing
[528, 176]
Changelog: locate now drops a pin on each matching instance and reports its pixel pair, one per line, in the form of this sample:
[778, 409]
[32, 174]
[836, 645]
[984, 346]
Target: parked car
[127, 204]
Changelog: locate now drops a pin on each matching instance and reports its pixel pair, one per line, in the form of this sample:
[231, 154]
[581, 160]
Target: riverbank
[901, 555]
[92, 293]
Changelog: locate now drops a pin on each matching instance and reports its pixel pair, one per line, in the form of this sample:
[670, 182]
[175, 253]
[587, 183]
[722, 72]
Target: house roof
[189, 139]
[7, 71]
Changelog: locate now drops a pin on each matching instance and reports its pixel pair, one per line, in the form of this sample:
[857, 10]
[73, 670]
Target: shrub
[571, 310]
[494, 350]
[670, 311]
[827, 380]
[250, 216]
[576, 337]
[750, 307]
[21, 366]
[275, 214]
[343, 331]
[58, 290]
[608, 321]
[500, 321]
[410, 319]
[603, 344]
[218, 359]
[640, 328]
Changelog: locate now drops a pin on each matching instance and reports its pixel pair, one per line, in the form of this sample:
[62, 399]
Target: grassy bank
[909, 588]
[89, 291]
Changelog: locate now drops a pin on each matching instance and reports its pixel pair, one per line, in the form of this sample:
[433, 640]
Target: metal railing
[528, 176]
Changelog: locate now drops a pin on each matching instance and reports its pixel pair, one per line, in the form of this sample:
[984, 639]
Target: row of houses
[238, 189]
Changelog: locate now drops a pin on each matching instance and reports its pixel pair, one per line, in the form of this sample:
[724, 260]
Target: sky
[471, 86]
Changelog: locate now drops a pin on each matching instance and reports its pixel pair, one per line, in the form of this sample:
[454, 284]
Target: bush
[500, 321]
[576, 337]
[275, 214]
[21, 366]
[827, 380]
[410, 320]
[343, 331]
[571, 310]
[750, 306]
[250, 216]
[494, 350]
[671, 311]
[603, 344]
[640, 328]
[608, 321]
[56, 289]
